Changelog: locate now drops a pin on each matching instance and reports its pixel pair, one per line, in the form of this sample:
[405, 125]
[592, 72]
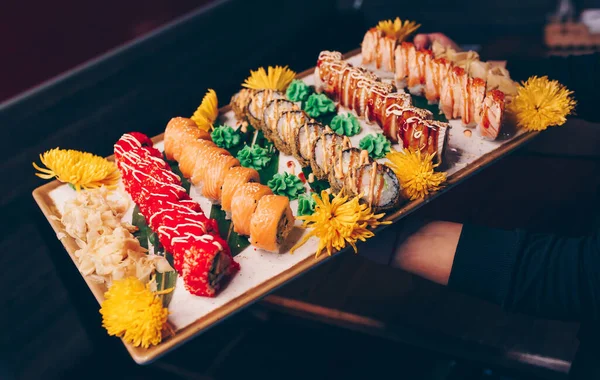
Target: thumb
[421, 41]
[443, 40]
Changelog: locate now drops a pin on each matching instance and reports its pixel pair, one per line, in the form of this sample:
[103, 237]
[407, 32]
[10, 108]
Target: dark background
[41, 39]
[51, 328]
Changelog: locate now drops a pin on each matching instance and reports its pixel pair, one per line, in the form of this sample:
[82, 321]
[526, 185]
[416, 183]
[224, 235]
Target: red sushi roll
[390, 118]
[329, 74]
[179, 227]
[158, 208]
[199, 254]
[140, 191]
[374, 101]
[142, 138]
[155, 168]
[407, 123]
[205, 266]
[132, 142]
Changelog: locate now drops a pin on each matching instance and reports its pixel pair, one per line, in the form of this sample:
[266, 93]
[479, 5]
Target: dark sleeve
[537, 274]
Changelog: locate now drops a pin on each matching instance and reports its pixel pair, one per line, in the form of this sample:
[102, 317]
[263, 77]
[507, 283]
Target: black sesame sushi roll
[239, 103]
[287, 125]
[257, 106]
[305, 137]
[271, 114]
[377, 184]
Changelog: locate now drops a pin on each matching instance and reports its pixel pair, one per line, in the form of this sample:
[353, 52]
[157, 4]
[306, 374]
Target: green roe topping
[254, 157]
[287, 184]
[225, 137]
[297, 91]
[318, 104]
[306, 205]
[377, 145]
[346, 125]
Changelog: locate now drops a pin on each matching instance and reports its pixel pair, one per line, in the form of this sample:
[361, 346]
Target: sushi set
[177, 232]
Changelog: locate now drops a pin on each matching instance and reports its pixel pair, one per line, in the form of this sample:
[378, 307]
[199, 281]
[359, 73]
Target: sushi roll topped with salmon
[271, 222]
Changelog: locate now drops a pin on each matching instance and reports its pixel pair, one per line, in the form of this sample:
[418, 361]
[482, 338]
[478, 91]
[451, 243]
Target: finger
[438, 36]
[443, 40]
[497, 64]
[421, 41]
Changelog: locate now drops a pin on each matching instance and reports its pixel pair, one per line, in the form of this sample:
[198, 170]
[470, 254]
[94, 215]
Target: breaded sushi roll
[239, 103]
[271, 115]
[323, 152]
[306, 136]
[345, 163]
[257, 105]
[288, 124]
[377, 184]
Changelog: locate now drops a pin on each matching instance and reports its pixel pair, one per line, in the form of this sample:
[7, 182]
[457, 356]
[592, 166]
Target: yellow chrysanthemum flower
[416, 173]
[275, 78]
[339, 222]
[80, 169]
[541, 103]
[207, 111]
[131, 311]
[398, 29]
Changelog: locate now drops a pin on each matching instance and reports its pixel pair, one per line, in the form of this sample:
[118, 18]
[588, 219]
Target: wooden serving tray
[263, 272]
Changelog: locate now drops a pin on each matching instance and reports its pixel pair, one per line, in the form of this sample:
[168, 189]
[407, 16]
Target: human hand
[423, 248]
[425, 40]
[383, 246]
[429, 252]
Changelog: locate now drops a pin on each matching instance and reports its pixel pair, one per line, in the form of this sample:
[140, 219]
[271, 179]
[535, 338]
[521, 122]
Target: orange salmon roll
[234, 178]
[244, 203]
[271, 223]
[180, 130]
[190, 153]
[202, 161]
[214, 175]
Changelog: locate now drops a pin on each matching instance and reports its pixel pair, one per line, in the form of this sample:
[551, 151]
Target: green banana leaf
[149, 240]
[317, 185]
[421, 102]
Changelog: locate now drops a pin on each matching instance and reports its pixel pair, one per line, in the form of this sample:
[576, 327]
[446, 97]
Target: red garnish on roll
[376, 102]
[200, 255]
